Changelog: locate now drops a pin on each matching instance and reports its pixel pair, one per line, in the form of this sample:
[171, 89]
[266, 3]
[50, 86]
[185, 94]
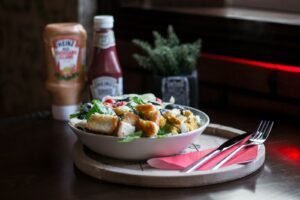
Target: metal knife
[222, 147]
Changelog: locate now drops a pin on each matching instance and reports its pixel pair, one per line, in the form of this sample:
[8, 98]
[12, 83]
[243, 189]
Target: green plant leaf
[144, 61]
[159, 40]
[143, 45]
[168, 57]
[173, 40]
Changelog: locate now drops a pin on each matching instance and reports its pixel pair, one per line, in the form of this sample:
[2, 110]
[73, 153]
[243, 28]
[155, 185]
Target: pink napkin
[181, 161]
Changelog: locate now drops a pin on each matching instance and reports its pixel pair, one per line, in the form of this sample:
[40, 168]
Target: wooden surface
[36, 163]
[141, 174]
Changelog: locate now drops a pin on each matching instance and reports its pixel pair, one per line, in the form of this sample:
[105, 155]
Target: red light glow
[287, 152]
[254, 63]
[292, 153]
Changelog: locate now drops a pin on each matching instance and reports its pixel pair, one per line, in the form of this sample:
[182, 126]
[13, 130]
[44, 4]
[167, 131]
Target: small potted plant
[173, 66]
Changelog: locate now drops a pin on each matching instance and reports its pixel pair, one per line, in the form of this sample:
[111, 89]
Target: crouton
[101, 123]
[130, 118]
[149, 128]
[125, 129]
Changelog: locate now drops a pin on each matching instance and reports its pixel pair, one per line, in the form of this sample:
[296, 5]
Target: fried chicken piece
[191, 123]
[162, 121]
[171, 117]
[187, 113]
[121, 110]
[101, 123]
[153, 116]
[145, 108]
[156, 117]
[149, 128]
[130, 118]
[150, 112]
[171, 129]
[174, 129]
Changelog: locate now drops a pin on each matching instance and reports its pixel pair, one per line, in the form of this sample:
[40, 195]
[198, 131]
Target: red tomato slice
[111, 101]
[158, 100]
[121, 103]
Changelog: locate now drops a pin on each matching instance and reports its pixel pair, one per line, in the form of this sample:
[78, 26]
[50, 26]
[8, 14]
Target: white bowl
[143, 148]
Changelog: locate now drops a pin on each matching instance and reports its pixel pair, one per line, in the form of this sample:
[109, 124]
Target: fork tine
[256, 133]
[264, 131]
[258, 138]
[261, 122]
[266, 127]
[260, 130]
[268, 131]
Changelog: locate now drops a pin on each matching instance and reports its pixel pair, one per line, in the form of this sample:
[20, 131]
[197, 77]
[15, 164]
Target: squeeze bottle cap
[103, 21]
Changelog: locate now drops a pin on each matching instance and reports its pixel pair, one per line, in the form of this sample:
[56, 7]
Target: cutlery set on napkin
[237, 150]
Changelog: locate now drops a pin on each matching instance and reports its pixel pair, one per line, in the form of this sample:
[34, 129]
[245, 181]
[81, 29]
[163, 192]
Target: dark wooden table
[36, 163]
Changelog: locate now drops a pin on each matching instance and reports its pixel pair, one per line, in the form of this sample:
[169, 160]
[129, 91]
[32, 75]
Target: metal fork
[259, 137]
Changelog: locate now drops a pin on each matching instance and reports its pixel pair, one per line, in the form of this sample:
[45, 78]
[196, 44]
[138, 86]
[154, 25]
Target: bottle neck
[104, 38]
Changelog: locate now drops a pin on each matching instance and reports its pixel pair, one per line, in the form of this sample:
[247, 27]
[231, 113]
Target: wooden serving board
[141, 174]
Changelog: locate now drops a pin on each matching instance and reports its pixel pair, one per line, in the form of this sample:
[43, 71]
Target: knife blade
[229, 143]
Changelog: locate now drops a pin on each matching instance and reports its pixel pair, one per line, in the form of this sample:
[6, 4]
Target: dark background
[259, 31]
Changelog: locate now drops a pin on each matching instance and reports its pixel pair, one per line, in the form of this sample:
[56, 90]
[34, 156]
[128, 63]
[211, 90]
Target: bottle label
[106, 85]
[105, 40]
[177, 87]
[66, 52]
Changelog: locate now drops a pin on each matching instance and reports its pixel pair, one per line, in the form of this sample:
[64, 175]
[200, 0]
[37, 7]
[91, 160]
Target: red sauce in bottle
[105, 74]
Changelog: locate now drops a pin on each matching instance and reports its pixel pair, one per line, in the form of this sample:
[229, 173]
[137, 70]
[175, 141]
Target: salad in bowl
[136, 127]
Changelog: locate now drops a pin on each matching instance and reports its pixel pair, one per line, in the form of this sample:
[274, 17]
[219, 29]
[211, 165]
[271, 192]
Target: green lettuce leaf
[131, 137]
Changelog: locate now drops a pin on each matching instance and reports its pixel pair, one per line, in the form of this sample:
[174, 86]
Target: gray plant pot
[183, 88]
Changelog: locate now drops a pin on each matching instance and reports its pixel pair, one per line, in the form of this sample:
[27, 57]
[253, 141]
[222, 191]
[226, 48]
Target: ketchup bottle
[104, 74]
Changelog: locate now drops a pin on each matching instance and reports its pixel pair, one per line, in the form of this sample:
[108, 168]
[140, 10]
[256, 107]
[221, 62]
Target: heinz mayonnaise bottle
[65, 52]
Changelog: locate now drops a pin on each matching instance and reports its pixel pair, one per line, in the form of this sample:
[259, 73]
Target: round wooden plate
[141, 174]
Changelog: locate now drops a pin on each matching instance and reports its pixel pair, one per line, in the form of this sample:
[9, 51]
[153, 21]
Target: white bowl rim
[147, 138]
